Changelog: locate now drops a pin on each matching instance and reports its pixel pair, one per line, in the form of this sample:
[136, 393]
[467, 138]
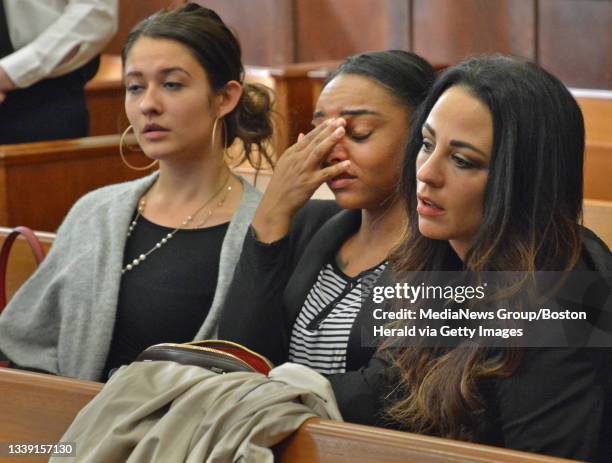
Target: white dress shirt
[55, 37]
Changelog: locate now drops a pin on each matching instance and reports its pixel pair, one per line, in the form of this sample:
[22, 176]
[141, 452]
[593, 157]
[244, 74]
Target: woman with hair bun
[149, 261]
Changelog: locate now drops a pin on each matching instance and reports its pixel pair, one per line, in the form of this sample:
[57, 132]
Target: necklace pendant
[186, 221]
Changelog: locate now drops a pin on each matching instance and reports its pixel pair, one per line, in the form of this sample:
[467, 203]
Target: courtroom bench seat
[39, 408]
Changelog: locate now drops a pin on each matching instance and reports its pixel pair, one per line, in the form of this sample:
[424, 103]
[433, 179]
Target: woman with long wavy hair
[493, 182]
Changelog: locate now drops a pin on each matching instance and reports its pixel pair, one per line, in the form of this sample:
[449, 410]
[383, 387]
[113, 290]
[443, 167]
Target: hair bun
[251, 122]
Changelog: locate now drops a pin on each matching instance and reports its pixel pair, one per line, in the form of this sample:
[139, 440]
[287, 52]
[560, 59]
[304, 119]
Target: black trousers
[51, 109]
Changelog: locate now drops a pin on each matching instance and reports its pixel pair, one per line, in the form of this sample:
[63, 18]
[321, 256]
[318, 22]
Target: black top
[167, 297]
[558, 403]
[270, 286]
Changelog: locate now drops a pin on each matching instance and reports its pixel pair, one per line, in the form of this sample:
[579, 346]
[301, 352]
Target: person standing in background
[49, 49]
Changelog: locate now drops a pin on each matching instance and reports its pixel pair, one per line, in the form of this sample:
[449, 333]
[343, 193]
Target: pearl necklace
[141, 206]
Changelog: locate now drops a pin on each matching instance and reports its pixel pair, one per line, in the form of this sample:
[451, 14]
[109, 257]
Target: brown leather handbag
[37, 250]
[215, 355]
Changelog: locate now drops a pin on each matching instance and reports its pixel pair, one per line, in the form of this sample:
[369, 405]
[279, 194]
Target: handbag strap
[37, 250]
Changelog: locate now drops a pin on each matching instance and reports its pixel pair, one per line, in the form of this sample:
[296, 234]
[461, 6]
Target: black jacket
[559, 402]
[269, 288]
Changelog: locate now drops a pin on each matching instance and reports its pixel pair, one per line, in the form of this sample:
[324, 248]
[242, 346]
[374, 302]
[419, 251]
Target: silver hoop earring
[147, 167]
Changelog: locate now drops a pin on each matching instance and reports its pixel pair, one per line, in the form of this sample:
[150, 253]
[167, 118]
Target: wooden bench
[39, 408]
[597, 216]
[596, 108]
[598, 170]
[39, 182]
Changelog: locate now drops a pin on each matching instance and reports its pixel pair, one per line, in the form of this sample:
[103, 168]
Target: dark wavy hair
[532, 208]
[218, 51]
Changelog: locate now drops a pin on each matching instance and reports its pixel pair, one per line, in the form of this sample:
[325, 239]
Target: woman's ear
[228, 98]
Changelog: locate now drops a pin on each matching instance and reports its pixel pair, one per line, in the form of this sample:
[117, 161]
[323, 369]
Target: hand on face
[297, 175]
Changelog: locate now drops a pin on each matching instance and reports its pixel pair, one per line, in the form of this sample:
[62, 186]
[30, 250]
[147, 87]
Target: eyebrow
[164, 72]
[349, 112]
[456, 143]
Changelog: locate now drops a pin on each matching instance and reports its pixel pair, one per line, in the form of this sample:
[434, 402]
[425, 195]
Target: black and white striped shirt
[320, 334]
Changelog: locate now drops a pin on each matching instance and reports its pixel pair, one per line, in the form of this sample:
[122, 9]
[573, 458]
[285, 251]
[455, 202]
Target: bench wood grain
[39, 408]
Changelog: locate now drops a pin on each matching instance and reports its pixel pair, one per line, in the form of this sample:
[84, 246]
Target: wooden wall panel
[264, 27]
[571, 38]
[575, 41]
[130, 13]
[447, 31]
[334, 29]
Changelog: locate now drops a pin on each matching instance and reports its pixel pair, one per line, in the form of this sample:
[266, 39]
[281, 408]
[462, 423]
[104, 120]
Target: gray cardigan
[62, 319]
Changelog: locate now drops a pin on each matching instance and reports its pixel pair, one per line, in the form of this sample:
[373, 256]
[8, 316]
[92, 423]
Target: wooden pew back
[39, 408]
[596, 108]
[597, 215]
[39, 182]
[598, 170]
[105, 95]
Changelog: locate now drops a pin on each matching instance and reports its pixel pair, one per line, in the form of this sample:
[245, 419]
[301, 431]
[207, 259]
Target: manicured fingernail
[339, 132]
[346, 163]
